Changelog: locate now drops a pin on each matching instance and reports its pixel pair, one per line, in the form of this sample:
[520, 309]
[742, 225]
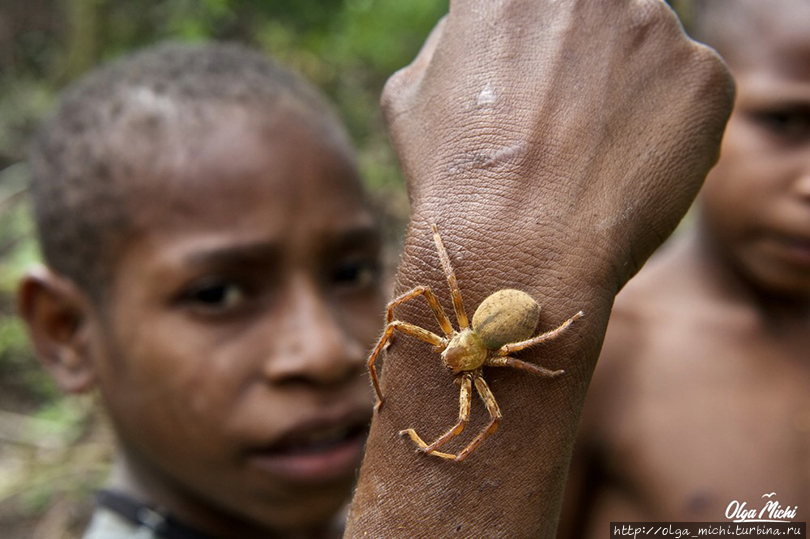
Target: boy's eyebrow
[234, 253]
[351, 238]
[362, 236]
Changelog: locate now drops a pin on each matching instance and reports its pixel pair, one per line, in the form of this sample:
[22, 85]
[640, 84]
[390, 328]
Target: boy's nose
[313, 346]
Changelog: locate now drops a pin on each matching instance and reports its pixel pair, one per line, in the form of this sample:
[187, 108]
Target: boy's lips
[794, 248]
[314, 451]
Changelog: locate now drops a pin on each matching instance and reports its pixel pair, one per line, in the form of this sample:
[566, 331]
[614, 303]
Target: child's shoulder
[649, 308]
[661, 321]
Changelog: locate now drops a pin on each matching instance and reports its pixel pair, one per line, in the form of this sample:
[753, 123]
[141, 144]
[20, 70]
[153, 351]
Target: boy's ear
[56, 312]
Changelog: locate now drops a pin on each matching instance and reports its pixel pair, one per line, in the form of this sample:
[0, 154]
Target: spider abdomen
[506, 316]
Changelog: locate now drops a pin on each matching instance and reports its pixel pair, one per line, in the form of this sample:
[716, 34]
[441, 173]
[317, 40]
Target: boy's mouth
[319, 440]
[315, 453]
[793, 248]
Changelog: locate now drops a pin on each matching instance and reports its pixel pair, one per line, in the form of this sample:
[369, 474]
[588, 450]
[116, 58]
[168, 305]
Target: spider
[502, 325]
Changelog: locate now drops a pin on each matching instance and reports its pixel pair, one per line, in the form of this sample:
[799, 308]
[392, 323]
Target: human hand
[580, 126]
[556, 145]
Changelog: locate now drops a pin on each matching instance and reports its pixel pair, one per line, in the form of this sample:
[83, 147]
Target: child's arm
[555, 144]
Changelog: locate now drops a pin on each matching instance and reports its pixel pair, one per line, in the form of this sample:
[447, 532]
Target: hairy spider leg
[433, 301]
[455, 292]
[409, 329]
[513, 347]
[464, 414]
[464, 402]
[522, 365]
[494, 414]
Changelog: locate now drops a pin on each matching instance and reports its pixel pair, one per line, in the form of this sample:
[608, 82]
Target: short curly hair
[82, 159]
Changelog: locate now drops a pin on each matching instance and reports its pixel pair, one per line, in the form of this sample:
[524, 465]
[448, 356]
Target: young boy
[211, 266]
[700, 403]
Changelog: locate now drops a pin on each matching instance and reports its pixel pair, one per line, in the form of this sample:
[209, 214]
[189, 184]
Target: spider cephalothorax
[502, 325]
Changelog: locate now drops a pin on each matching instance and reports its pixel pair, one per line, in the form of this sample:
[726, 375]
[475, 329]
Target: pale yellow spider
[502, 325]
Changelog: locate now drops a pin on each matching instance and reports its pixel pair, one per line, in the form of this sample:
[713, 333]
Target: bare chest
[705, 433]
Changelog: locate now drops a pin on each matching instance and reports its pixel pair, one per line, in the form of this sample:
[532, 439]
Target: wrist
[531, 448]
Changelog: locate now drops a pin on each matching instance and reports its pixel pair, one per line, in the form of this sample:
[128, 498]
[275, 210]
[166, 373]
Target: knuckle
[393, 93]
[654, 15]
[709, 72]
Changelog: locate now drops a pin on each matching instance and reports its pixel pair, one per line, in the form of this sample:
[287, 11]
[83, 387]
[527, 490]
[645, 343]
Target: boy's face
[232, 356]
[756, 201]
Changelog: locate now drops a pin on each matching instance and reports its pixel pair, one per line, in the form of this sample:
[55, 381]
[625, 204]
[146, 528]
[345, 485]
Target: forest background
[55, 450]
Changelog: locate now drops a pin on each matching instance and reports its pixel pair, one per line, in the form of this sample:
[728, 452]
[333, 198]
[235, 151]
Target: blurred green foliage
[346, 47]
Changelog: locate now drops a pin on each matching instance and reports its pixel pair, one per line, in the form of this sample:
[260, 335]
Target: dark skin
[551, 125]
[700, 398]
[229, 350]
[541, 174]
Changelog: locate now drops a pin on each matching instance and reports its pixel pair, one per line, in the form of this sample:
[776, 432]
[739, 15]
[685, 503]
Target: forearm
[555, 145]
[511, 485]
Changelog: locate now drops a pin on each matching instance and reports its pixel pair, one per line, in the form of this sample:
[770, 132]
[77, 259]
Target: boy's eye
[215, 295]
[355, 273]
[791, 125]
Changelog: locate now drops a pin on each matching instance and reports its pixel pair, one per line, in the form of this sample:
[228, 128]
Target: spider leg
[463, 417]
[494, 413]
[408, 329]
[522, 365]
[419, 333]
[511, 348]
[438, 312]
[455, 292]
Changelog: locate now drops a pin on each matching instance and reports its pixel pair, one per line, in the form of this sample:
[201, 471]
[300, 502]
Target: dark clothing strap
[141, 514]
